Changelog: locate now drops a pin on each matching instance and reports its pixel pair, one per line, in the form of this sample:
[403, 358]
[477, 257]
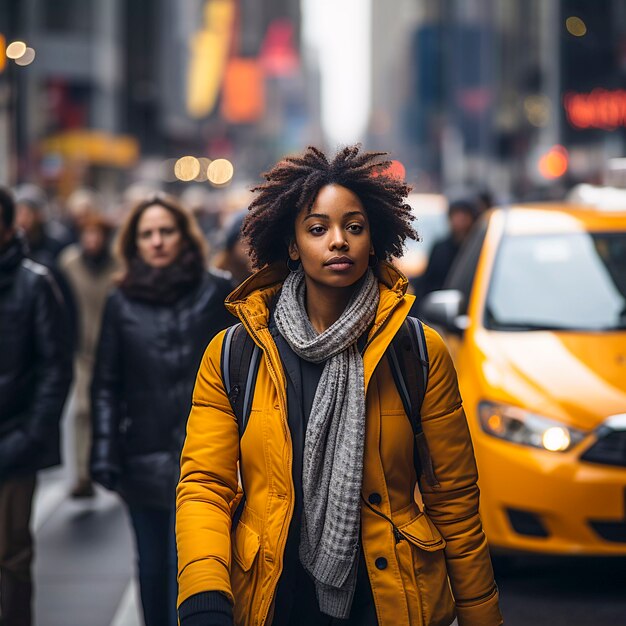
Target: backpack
[408, 359]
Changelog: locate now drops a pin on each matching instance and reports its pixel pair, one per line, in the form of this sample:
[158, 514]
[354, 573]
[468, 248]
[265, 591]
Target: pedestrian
[328, 530]
[80, 204]
[35, 375]
[484, 200]
[45, 239]
[89, 268]
[156, 324]
[234, 257]
[462, 213]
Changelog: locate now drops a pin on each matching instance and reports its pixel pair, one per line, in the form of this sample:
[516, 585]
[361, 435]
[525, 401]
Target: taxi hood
[578, 378]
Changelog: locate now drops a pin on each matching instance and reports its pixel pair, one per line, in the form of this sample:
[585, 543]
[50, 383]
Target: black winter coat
[35, 364]
[145, 370]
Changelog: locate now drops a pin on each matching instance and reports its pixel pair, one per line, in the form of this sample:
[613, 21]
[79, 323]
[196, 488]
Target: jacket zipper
[398, 536]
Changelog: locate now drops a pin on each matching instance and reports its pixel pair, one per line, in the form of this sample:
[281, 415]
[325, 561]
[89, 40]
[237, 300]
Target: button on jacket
[410, 553]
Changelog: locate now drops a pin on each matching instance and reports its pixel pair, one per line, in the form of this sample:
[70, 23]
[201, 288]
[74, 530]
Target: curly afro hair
[293, 184]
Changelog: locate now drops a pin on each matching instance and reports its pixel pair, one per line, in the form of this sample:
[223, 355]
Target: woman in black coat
[156, 325]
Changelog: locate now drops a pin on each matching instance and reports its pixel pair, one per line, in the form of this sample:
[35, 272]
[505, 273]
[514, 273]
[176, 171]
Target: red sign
[601, 108]
[278, 52]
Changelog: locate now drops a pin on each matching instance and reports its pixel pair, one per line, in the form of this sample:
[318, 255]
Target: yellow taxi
[534, 313]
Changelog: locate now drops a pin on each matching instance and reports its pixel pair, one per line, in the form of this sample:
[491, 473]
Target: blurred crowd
[114, 314]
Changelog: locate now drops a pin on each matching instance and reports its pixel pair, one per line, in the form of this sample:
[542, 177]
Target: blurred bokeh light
[553, 164]
[187, 168]
[575, 26]
[16, 49]
[220, 171]
[27, 58]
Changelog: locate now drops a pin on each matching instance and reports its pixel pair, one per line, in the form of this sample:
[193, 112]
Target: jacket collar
[251, 301]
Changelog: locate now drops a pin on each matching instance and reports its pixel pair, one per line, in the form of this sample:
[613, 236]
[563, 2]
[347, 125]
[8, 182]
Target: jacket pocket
[423, 566]
[421, 532]
[246, 545]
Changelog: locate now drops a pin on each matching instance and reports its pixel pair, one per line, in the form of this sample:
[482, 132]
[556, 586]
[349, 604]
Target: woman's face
[333, 241]
[158, 238]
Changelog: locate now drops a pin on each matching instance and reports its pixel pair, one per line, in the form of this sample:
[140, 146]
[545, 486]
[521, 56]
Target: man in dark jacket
[35, 375]
[462, 214]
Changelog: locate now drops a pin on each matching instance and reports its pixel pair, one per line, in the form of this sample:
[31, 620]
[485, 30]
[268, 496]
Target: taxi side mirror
[445, 308]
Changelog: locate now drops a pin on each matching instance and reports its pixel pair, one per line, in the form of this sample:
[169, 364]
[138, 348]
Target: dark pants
[16, 550]
[156, 560]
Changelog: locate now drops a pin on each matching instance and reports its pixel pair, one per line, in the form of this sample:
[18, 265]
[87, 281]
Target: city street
[317, 242]
[84, 564]
[564, 592]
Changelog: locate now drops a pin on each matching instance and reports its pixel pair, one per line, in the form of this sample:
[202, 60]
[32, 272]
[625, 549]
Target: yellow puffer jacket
[443, 540]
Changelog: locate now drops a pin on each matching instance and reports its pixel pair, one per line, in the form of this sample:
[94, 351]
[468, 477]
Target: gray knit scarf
[333, 446]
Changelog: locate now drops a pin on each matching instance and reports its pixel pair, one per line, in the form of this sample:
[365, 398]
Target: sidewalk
[84, 557]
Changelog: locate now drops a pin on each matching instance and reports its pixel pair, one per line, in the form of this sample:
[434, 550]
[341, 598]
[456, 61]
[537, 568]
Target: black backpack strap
[408, 357]
[240, 366]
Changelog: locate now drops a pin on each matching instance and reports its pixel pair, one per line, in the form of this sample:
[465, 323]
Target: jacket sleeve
[106, 393]
[53, 358]
[208, 484]
[453, 505]
[53, 349]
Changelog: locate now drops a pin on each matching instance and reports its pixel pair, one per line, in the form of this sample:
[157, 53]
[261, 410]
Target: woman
[329, 531]
[89, 268]
[156, 324]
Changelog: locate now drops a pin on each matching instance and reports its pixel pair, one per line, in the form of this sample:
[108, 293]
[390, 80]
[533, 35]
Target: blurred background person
[462, 214]
[35, 374]
[156, 325]
[484, 200]
[234, 256]
[89, 267]
[44, 239]
[80, 204]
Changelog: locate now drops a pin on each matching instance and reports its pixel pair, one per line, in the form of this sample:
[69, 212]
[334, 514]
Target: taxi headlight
[529, 429]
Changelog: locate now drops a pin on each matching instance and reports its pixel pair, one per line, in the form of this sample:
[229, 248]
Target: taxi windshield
[573, 281]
